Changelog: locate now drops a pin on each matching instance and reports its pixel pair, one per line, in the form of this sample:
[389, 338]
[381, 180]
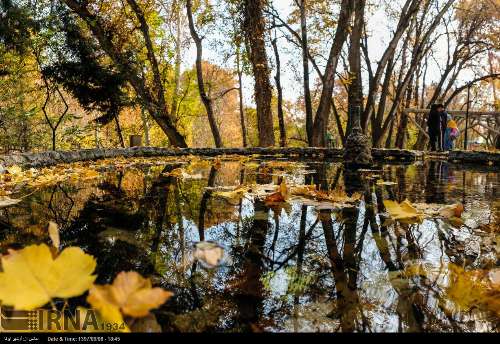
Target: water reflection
[291, 268]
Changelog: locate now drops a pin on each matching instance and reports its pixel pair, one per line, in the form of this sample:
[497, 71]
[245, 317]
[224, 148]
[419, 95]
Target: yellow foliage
[473, 288]
[130, 294]
[31, 277]
[54, 234]
[403, 212]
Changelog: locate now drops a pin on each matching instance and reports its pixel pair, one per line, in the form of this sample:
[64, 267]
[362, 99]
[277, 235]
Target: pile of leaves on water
[408, 213]
[37, 275]
[462, 290]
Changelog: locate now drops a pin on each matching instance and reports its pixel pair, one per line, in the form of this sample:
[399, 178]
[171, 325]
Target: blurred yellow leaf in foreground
[31, 277]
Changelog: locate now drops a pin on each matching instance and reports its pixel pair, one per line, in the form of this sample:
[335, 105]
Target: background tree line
[86, 73]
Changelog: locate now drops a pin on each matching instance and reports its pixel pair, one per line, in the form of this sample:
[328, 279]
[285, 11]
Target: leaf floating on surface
[7, 201]
[31, 277]
[382, 182]
[403, 212]
[130, 294]
[209, 253]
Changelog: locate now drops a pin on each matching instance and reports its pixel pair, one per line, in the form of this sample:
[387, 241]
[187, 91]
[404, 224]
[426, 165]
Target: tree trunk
[178, 52]
[277, 79]
[145, 125]
[355, 91]
[409, 9]
[240, 93]
[254, 28]
[207, 102]
[119, 131]
[324, 107]
[154, 103]
[403, 123]
[305, 67]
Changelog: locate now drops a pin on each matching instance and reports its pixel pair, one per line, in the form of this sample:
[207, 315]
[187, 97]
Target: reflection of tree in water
[152, 229]
[248, 294]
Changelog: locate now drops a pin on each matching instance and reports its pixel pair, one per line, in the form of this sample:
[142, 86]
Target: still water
[289, 268]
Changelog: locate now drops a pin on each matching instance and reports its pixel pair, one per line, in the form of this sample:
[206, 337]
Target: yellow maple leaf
[472, 288]
[403, 212]
[31, 277]
[130, 294]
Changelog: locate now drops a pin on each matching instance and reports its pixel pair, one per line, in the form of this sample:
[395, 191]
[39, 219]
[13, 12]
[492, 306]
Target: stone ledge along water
[398, 155]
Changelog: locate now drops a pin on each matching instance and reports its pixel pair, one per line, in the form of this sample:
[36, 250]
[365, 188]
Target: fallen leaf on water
[14, 170]
[54, 234]
[31, 277]
[130, 294]
[209, 253]
[217, 163]
[403, 212]
[7, 201]
[454, 210]
[233, 196]
[382, 182]
[473, 288]
[280, 195]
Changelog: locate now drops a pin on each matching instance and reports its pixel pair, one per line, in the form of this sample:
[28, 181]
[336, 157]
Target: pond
[237, 262]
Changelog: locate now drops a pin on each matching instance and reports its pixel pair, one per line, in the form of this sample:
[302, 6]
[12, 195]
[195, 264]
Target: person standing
[434, 126]
[452, 130]
[443, 121]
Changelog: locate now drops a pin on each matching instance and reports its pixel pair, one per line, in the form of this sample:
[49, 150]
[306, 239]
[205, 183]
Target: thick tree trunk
[277, 79]
[207, 102]
[305, 67]
[355, 91]
[324, 107]
[254, 28]
[376, 122]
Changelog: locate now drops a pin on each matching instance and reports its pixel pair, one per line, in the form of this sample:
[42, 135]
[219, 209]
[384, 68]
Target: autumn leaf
[403, 212]
[279, 196]
[452, 213]
[454, 210]
[233, 196]
[382, 182]
[130, 294]
[31, 277]
[54, 234]
[473, 288]
[208, 253]
[302, 190]
[7, 201]
[217, 163]
[15, 170]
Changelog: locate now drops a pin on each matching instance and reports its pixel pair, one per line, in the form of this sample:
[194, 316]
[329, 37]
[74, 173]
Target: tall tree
[207, 102]
[277, 79]
[355, 93]
[305, 69]
[254, 28]
[324, 107]
[151, 92]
